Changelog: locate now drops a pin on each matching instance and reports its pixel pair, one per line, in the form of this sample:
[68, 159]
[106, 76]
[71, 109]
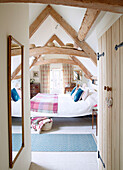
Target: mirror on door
[77, 75]
[15, 99]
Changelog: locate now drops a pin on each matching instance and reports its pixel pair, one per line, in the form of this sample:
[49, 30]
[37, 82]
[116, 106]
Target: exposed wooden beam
[34, 61]
[38, 21]
[54, 37]
[15, 52]
[57, 50]
[60, 60]
[17, 77]
[88, 20]
[104, 5]
[84, 69]
[73, 34]
[81, 65]
[52, 50]
[17, 70]
[33, 64]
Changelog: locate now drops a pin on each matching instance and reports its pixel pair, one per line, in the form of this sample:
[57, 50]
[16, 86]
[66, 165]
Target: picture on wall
[35, 74]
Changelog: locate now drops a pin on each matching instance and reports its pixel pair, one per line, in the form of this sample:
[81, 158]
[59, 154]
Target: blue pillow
[73, 91]
[15, 96]
[78, 95]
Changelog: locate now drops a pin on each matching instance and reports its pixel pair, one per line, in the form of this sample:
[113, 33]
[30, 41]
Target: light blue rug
[59, 143]
[63, 143]
[16, 141]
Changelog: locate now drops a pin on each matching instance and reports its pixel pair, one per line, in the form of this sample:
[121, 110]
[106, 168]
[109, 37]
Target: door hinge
[118, 46]
[100, 55]
[101, 159]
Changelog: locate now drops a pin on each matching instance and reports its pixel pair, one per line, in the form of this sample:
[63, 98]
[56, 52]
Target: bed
[16, 108]
[61, 105]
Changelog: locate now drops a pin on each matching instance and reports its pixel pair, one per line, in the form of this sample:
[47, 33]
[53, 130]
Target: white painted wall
[46, 30]
[106, 22]
[14, 20]
[89, 65]
[34, 10]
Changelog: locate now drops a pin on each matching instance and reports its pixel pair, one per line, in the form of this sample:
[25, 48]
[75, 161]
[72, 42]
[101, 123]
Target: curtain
[67, 74]
[45, 78]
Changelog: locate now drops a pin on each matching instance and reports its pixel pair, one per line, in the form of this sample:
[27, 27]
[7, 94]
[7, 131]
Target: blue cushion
[15, 96]
[73, 91]
[78, 95]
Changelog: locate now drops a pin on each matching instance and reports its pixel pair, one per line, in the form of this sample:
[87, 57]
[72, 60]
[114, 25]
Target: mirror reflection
[77, 75]
[16, 137]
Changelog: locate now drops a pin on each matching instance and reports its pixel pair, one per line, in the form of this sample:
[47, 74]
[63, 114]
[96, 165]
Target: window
[56, 79]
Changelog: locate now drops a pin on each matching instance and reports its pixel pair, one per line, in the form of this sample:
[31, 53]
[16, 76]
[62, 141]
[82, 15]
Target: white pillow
[92, 99]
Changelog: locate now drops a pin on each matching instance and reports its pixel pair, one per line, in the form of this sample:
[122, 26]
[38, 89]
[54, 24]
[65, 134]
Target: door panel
[115, 95]
[109, 83]
[100, 116]
[121, 96]
[111, 118]
[105, 118]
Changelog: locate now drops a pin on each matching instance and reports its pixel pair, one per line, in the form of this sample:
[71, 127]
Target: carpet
[16, 141]
[60, 143]
[63, 143]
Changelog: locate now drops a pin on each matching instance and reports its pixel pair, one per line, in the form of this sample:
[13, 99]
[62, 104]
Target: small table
[94, 113]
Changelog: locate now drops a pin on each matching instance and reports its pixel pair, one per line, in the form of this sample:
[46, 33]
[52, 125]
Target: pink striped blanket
[45, 103]
[38, 122]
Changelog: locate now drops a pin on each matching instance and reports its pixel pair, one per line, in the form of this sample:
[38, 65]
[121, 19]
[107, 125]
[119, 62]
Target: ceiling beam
[104, 5]
[17, 70]
[84, 69]
[34, 61]
[54, 37]
[59, 60]
[57, 50]
[39, 20]
[15, 52]
[70, 31]
[88, 20]
[17, 77]
[52, 50]
[73, 34]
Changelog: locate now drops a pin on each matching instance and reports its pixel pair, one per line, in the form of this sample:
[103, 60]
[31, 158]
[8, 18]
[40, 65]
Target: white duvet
[16, 108]
[68, 108]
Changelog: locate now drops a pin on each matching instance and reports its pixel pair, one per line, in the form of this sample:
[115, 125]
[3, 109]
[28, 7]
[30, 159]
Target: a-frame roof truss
[70, 31]
[74, 59]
